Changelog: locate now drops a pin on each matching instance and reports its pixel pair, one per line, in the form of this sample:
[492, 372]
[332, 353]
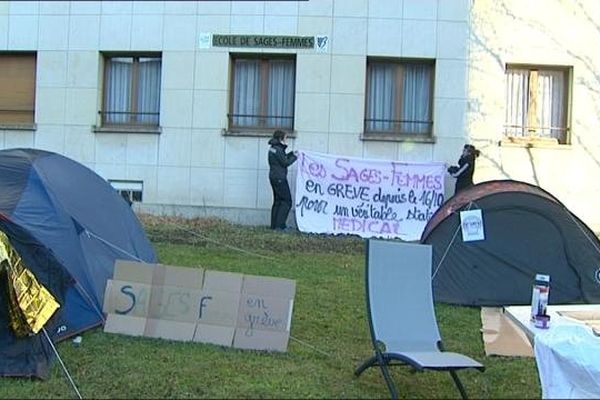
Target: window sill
[152, 130]
[250, 132]
[533, 142]
[18, 127]
[397, 137]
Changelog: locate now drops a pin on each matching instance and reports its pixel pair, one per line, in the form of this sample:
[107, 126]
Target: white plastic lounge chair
[401, 316]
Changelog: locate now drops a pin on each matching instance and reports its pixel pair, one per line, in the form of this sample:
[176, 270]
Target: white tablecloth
[567, 354]
[568, 361]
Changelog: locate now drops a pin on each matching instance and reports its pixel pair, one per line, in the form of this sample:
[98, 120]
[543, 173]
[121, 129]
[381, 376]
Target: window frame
[532, 138]
[261, 129]
[105, 126]
[398, 134]
[30, 123]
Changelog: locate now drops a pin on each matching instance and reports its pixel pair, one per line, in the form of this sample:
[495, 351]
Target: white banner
[369, 198]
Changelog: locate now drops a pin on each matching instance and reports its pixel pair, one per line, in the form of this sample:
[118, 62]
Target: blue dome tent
[69, 226]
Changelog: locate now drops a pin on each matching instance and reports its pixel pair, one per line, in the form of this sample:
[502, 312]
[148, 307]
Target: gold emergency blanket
[30, 304]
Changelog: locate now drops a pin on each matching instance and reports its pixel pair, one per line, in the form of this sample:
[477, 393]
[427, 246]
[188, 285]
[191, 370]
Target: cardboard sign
[192, 304]
[501, 336]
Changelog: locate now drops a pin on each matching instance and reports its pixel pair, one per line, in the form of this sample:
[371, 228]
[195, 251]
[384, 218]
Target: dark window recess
[131, 191]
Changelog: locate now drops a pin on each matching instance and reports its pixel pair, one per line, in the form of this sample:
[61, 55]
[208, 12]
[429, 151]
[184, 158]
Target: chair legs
[458, 383]
[366, 365]
[389, 382]
[379, 360]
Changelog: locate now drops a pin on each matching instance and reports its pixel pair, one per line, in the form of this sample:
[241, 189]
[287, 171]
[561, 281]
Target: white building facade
[534, 99]
[174, 101]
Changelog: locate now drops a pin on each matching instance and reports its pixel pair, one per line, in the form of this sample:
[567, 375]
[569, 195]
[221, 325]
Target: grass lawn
[329, 334]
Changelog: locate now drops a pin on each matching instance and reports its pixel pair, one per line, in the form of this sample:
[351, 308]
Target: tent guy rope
[224, 244]
[437, 268]
[106, 242]
[64, 368]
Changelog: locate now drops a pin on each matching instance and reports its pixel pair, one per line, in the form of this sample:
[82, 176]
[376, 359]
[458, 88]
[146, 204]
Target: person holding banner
[279, 161]
[465, 169]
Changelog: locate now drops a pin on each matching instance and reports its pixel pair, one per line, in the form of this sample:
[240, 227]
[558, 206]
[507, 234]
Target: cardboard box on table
[192, 304]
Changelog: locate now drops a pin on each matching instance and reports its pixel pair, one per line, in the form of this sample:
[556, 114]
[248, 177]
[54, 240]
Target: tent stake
[62, 364]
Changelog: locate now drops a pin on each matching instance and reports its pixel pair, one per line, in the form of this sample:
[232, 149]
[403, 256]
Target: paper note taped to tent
[192, 304]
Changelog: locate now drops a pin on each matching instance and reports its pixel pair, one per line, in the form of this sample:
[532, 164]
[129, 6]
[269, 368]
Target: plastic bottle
[539, 296]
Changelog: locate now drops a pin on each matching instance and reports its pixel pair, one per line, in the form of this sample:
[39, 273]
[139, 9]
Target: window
[131, 90]
[262, 95]
[399, 97]
[17, 88]
[131, 191]
[536, 103]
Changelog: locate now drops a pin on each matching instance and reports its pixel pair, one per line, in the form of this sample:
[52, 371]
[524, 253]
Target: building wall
[538, 32]
[191, 167]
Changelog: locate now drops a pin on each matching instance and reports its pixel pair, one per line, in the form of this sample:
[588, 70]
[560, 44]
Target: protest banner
[369, 198]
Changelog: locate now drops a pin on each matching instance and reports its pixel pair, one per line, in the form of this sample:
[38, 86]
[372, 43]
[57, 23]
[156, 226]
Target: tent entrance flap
[30, 304]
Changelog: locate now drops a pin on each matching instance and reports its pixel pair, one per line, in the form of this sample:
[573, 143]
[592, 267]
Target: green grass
[329, 335]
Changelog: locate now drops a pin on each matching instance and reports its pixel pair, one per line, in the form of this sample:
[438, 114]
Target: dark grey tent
[68, 226]
[527, 231]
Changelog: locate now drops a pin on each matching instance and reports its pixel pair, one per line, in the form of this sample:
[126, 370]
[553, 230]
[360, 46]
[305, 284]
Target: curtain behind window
[550, 104]
[381, 97]
[416, 98]
[517, 103]
[246, 89]
[280, 108]
[413, 114]
[118, 90]
[148, 96]
[550, 112]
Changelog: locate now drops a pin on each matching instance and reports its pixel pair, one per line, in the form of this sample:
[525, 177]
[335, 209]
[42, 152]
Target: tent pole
[62, 364]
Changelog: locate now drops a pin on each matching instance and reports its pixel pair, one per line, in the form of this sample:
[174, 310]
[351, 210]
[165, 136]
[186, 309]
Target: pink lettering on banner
[349, 173]
[369, 198]
[414, 180]
[311, 167]
[369, 226]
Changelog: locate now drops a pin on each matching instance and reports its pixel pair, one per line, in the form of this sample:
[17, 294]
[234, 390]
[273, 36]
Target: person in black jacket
[465, 169]
[279, 161]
